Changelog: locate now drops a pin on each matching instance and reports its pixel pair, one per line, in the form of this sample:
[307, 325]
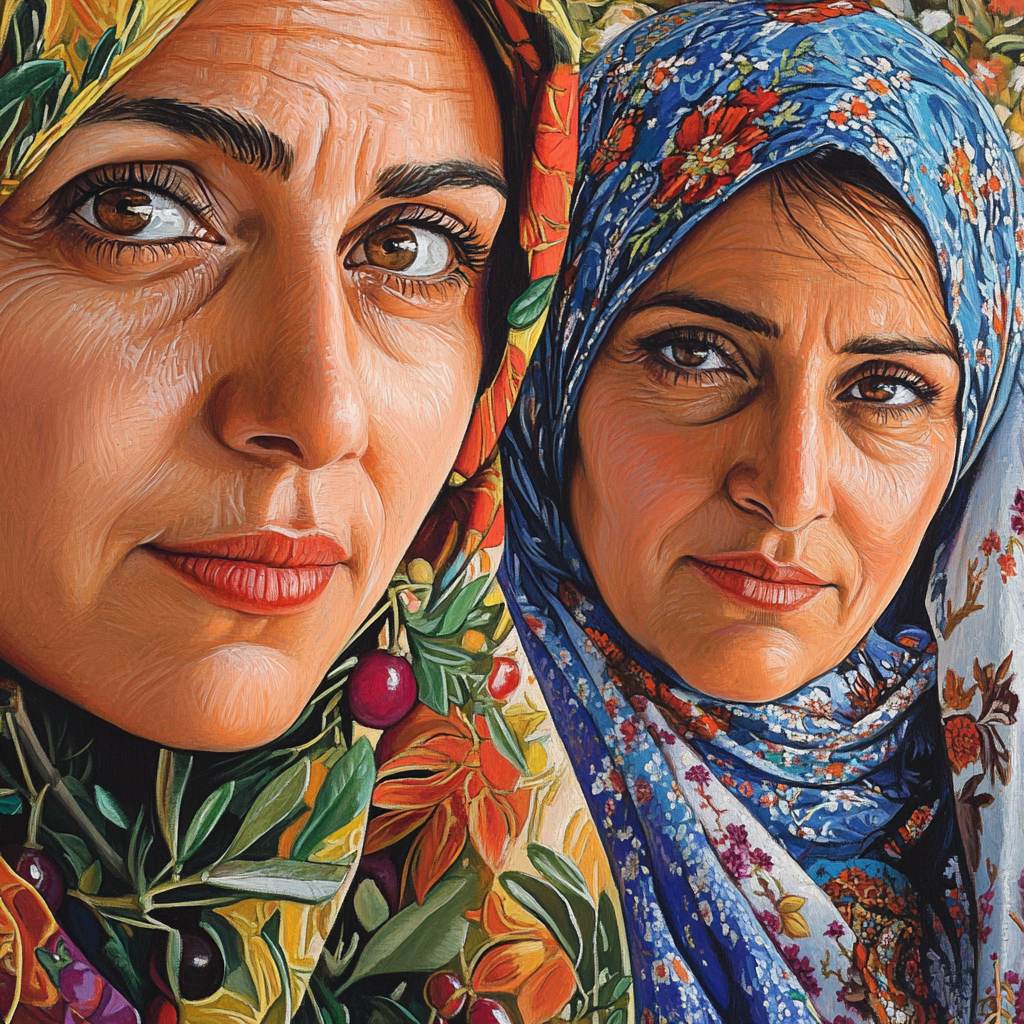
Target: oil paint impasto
[510, 512]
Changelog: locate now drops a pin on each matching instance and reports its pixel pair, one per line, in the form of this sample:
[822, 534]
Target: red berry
[39, 869]
[160, 1011]
[445, 993]
[381, 690]
[504, 678]
[488, 1011]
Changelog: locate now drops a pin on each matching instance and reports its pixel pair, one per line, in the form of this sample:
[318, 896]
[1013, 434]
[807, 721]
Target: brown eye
[883, 391]
[690, 356]
[392, 248]
[123, 211]
[691, 349]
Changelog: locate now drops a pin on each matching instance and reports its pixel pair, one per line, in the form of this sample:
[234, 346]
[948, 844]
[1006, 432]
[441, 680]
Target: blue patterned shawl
[798, 860]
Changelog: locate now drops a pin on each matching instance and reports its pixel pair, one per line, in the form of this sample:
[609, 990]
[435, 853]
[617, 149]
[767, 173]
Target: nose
[292, 391]
[784, 475]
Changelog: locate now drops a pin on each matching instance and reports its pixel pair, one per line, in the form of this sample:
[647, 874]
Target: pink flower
[834, 931]
[699, 774]
[760, 859]
[803, 970]
[1017, 513]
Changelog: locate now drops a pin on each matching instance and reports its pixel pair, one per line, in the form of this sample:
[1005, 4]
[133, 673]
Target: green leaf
[370, 906]
[503, 738]
[621, 988]
[344, 794]
[466, 599]
[106, 49]
[172, 772]
[618, 1017]
[173, 960]
[75, 850]
[92, 878]
[271, 935]
[528, 308]
[427, 935]
[111, 809]
[17, 84]
[610, 952]
[206, 818]
[278, 800]
[559, 871]
[431, 684]
[387, 1011]
[10, 803]
[550, 907]
[331, 1010]
[279, 879]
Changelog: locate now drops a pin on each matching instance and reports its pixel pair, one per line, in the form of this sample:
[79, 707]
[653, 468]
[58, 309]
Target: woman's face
[763, 441]
[241, 308]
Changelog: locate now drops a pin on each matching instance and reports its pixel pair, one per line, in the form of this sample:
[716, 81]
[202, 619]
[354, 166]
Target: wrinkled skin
[257, 367]
[825, 450]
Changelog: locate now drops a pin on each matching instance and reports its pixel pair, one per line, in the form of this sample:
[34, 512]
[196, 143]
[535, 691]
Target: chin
[231, 698]
[751, 664]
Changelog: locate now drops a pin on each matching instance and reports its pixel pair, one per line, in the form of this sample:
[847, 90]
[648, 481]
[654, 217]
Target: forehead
[784, 260]
[402, 81]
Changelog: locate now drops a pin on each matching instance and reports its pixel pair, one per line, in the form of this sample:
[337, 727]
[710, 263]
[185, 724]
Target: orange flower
[963, 741]
[443, 776]
[526, 963]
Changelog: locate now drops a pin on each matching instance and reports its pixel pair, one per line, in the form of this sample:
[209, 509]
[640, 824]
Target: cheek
[419, 413]
[638, 479]
[884, 504]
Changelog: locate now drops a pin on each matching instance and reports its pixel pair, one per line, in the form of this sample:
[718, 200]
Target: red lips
[758, 581]
[265, 573]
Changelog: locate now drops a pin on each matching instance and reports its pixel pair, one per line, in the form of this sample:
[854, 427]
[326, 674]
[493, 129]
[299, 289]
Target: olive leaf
[529, 306]
[172, 772]
[503, 739]
[110, 808]
[560, 872]
[278, 800]
[550, 907]
[279, 879]
[426, 934]
[206, 818]
[271, 935]
[344, 794]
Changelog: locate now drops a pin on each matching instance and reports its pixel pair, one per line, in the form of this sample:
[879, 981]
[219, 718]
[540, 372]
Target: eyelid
[729, 350]
[886, 370]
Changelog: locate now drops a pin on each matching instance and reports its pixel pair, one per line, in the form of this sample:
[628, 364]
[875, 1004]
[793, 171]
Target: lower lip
[766, 595]
[252, 587]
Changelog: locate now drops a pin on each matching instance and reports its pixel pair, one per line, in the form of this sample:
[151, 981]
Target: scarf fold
[804, 859]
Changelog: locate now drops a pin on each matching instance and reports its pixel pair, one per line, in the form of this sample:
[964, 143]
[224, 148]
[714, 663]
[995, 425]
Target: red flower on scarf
[807, 14]
[617, 146]
[963, 742]
[1007, 8]
[713, 146]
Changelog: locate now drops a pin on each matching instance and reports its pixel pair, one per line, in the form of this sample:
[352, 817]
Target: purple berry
[381, 690]
[39, 869]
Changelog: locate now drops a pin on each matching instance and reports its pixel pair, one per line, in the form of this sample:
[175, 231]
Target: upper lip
[268, 547]
[753, 563]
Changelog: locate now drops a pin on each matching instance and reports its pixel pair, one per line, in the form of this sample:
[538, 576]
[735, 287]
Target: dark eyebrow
[404, 181]
[897, 344]
[719, 310]
[243, 139]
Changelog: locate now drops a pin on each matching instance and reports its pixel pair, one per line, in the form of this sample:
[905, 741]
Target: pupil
[392, 248]
[123, 211]
[878, 391]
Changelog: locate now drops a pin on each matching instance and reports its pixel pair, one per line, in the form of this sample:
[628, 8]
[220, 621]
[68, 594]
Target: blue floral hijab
[851, 851]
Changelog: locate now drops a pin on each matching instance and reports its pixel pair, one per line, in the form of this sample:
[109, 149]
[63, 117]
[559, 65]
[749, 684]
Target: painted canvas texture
[457, 824]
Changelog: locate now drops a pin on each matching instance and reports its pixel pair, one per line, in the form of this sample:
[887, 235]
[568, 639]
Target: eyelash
[651, 357]
[471, 251]
[878, 370]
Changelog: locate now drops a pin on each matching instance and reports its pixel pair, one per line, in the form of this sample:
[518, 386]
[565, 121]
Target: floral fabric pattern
[799, 860]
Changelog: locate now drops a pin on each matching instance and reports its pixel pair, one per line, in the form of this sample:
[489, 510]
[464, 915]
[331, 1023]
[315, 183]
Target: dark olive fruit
[488, 1011]
[504, 678]
[381, 690]
[201, 973]
[381, 868]
[39, 869]
[445, 993]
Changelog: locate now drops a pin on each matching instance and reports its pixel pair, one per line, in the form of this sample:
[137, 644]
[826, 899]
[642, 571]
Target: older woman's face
[240, 340]
[763, 441]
